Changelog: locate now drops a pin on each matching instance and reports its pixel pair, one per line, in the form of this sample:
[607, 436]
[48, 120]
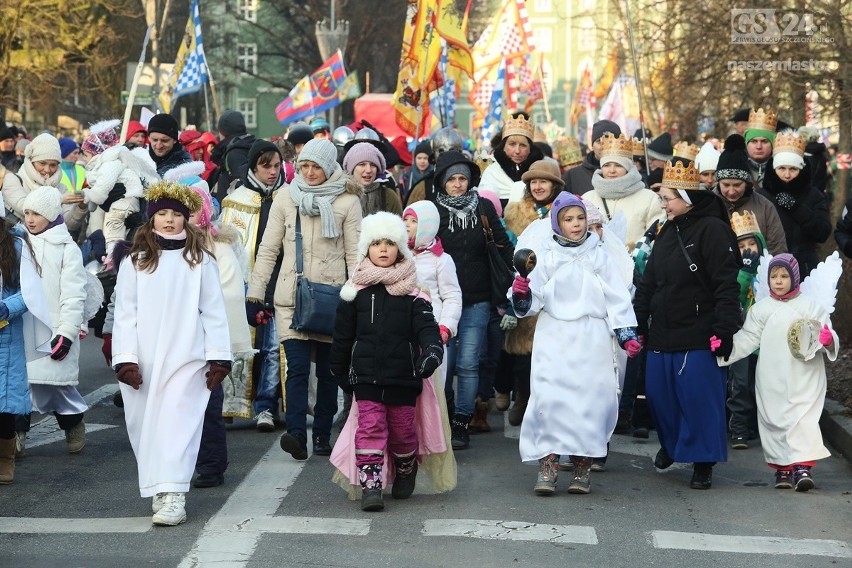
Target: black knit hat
[259, 148]
[424, 147]
[601, 127]
[232, 123]
[300, 133]
[163, 124]
[733, 163]
[740, 116]
[6, 133]
[661, 147]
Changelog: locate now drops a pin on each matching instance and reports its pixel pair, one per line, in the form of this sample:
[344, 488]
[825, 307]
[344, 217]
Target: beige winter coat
[325, 260]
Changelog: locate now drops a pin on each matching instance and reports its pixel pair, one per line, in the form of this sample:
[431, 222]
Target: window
[248, 10]
[247, 57]
[248, 107]
[544, 39]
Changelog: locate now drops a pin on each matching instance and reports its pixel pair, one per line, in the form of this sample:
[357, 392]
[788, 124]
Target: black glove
[785, 200]
[217, 373]
[429, 360]
[134, 220]
[59, 347]
[117, 192]
[750, 260]
[725, 348]
[651, 233]
[257, 313]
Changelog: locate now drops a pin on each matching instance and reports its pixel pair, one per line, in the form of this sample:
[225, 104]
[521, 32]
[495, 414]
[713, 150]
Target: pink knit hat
[206, 213]
[96, 143]
[363, 152]
[493, 198]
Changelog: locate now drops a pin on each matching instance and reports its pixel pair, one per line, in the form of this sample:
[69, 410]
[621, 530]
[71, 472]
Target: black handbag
[316, 304]
[501, 275]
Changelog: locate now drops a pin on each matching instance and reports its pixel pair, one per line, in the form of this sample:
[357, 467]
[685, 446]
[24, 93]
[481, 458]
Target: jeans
[268, 376]
[463, 356]
[213, 453]
[298, 353]
[490, 356]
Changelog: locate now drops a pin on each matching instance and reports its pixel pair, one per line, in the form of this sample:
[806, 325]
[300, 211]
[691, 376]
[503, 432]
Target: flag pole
[543, 92]
[638, 86]
[131, 96]
[216, 109]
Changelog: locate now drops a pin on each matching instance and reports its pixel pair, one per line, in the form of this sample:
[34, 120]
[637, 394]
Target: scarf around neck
[462, 209]
[261, 187]
[33, 180]
[171, 242]
[313, 200]
[399, 279]
[618, 187]
[371, 199]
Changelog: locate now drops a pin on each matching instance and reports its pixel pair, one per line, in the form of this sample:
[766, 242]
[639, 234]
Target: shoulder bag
[500, 273]
[316, 304]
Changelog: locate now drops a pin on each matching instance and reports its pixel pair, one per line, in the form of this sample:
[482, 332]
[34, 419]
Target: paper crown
[681, 174]
[616, 146]
[789, 142]
[760, 120]
[686, 151]
[638, 146]
[568, 149]
[520, 126]
[176, 191]
[745, 224]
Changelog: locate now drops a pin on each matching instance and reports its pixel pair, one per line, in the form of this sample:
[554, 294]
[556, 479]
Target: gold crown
[681, 174]
[745, 224]
[568, 149]
[520, 126]
[760, 120]
[638, 146]
[620, 146]
[686, 151]
[174, 190]
[789, 141]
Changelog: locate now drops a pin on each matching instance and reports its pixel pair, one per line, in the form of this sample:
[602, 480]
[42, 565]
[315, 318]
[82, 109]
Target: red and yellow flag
[608, 76]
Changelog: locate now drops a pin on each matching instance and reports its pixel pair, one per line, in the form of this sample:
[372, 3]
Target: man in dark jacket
[231, 154]
[579, 180]
[8, 157]
[843, 232]
[163, 146]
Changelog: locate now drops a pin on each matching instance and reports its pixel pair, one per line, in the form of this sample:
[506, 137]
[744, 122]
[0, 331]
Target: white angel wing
[136, 161]
[94, 296]
[618, 226]
[535, 235]
[761, 281]
[183, 171]
[821, 285]
[618, 255]
[104, 125]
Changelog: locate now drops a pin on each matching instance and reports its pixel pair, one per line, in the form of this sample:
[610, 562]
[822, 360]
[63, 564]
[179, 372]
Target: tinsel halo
[176, 191]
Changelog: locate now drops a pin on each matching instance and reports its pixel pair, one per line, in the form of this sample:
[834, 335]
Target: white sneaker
[157, 502]
[20, 444]
[265, 422]
[173, 511]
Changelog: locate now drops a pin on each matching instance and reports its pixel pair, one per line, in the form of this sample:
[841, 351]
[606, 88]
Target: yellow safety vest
[81, 179]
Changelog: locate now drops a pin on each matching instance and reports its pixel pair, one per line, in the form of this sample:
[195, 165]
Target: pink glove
[632, 347]
[825, 336]
[521, 286]
[445, 334]
[715, 343]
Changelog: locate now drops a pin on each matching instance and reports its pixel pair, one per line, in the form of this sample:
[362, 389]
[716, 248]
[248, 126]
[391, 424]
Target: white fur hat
[46, 201]
[707, 158]
[383, 225]
[43, 147]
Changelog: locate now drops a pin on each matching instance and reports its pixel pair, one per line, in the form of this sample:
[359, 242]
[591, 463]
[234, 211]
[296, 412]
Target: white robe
[580, 299]
[170, 322]
[790, 393]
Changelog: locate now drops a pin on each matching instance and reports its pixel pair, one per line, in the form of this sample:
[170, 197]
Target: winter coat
[14, 393]
[233, 287]
[378, 338]
[325, 260]
[468, 246]
[579, 180]
[387, 199]
[176, 157]
[231, 155]
[639, 205]
[686, 308]
[808, 223]
[843, 232]
[764, 213]
[518, 215]
[816, 157]
[64, 280]
[17, 186]
[504, 176]
[423, 189]
[437, 276]
[10, 161]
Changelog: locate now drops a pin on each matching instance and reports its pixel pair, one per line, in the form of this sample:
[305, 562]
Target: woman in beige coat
[328, 204]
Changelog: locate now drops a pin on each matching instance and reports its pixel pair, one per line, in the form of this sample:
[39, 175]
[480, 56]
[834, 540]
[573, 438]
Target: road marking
[56, 526]
[101, 393]
[46, 431]
[750, 544]
[309, 525]
[223, 542]
[510, 530]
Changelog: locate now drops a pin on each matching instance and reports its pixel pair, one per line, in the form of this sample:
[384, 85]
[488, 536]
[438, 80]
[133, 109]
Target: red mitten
[632, 347]
[129, 375]
[521, 286]
[825, 336]
[445, 334]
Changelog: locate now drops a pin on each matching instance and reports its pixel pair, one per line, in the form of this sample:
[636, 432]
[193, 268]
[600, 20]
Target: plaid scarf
[462, 209]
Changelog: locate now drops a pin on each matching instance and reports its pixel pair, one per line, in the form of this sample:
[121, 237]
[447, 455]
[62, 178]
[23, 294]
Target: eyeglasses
[667, 200]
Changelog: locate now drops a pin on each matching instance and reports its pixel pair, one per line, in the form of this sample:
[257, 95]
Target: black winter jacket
[579, 180]
[843, 232]
[231, 155]
[377, 341]
[176, 157]
[808, 223]
[679, 310]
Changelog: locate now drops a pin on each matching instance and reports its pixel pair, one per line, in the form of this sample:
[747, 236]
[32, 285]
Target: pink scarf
[435, 246]
[399, 279]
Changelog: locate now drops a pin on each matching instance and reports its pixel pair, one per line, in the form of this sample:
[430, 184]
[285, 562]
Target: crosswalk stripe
[309, 525]
[750, 544]
[510, 530]
[29, 525]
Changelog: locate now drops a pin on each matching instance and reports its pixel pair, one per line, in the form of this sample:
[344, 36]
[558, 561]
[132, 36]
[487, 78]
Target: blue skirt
[686, 393]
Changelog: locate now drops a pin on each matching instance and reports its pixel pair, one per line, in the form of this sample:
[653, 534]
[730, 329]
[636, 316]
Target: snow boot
[7, 461]
[370, 476]
[406, 474]
[548, 469]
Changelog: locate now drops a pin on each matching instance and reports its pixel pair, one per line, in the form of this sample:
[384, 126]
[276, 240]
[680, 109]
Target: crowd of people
[640, 285]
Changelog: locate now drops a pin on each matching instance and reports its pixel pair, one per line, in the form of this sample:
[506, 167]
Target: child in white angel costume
[790, 325]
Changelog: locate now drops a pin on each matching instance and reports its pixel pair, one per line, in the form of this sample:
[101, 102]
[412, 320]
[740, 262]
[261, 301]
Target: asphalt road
[84, 510]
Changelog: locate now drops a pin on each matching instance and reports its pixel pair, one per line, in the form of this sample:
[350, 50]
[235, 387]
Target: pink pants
[380, 426]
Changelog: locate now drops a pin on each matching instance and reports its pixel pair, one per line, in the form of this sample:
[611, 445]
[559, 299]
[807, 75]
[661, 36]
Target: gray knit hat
[321, 152]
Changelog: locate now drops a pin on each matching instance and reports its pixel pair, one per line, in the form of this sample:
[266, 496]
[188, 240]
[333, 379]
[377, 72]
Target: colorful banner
[583, 97]
[316, 92]
[190, 70]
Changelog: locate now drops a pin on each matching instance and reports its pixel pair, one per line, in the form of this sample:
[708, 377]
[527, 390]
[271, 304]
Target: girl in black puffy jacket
[385, 343]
